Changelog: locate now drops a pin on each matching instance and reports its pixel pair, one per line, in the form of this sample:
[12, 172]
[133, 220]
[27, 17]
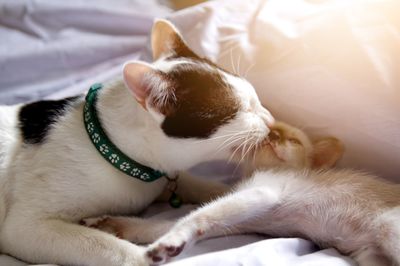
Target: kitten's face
[192, 99]
[288, 146]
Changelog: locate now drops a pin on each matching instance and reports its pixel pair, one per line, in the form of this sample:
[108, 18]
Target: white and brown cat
[168, 115]
[357, 213]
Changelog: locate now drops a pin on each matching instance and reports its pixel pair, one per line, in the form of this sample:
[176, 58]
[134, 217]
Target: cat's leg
[213, 219]
[64, 243]
[134, 229]
[196, 190]
[191, 189]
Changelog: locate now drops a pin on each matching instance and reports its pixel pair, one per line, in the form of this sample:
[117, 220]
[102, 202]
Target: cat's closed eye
[295, 141]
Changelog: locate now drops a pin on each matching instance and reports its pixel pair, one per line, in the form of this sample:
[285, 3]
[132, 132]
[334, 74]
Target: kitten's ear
[135, 74]
[166, 40]
[326, 152]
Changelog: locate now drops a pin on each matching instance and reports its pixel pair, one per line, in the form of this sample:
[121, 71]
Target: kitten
[168, 115]
[354, 212]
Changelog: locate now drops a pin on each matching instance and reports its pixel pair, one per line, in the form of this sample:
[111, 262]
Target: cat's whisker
[238, 131]
[233, 65]
[254, 131]
[229, 142]
[237, 139]
[247, 148]
[248, 70]
[245, 145]
[234, 153]
[235, 134]
[217, 137]
[251, 147]
[256, 147]
[231, 45]
[237, 149]
[238, 64]
[241, 137]
[251, 139]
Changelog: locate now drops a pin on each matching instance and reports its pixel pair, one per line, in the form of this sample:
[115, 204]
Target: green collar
[107, 149]
[115, 156]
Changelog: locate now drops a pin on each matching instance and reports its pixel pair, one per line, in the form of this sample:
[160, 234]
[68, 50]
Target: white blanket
[304, 57]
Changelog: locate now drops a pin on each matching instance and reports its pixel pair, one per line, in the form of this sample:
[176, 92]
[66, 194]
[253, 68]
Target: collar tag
[175, 201]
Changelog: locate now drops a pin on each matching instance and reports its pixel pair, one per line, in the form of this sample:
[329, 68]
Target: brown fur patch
[204, 102]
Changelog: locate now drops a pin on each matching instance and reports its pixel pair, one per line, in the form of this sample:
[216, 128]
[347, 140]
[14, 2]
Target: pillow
[329, 67]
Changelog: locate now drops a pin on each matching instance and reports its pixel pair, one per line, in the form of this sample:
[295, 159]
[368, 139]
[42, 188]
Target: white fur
[47, 188]
[251, 104]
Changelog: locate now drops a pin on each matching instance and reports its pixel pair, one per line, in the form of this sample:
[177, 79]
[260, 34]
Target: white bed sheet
[50, 45]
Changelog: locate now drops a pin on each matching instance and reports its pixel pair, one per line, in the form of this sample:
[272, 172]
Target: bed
[330, 67]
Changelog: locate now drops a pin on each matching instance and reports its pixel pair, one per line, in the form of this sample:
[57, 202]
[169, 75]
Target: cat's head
[288, 146]
[192, 99]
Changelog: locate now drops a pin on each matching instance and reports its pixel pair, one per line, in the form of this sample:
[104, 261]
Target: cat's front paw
[170, 245]
[106, 223]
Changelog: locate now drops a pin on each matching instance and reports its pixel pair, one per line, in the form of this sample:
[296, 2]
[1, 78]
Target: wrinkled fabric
[47, 46]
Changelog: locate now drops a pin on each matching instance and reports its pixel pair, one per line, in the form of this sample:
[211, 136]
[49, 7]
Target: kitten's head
[191, 98]
[288, 146]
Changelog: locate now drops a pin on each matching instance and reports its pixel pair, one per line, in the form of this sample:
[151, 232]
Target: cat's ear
[166, 40]
[135, 74]
[326, 152]
[149, 86]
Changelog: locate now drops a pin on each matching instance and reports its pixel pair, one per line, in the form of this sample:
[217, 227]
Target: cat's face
[192, 99]
[288, 146]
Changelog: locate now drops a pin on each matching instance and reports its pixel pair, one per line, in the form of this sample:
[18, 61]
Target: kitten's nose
[274, 135]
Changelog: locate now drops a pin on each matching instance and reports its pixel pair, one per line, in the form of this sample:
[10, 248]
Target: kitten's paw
[106, 223]
[170, 245]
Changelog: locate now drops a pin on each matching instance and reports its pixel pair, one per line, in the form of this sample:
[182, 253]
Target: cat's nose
[267, 117]
[274, 135]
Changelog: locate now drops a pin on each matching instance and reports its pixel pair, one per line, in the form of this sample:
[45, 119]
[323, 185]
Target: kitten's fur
[52, 176]
[355, 212]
